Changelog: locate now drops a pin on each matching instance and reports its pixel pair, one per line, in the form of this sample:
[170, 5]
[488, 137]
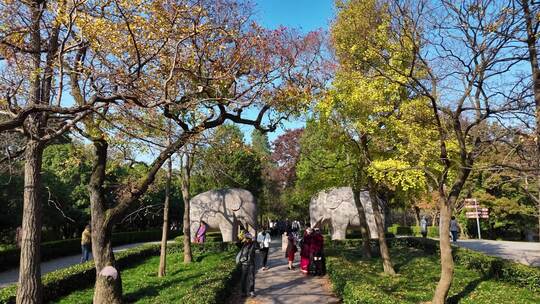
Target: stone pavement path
[280, 285]
[527, 253]
[12, 276]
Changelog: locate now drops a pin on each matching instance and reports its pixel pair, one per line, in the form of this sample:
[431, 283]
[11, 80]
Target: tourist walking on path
[317, 252]
[86, 243]
[200, 236]
[306, 251]
[291, 249]
[423, 226]
[454, 229]
[264, 239]
[247, 261]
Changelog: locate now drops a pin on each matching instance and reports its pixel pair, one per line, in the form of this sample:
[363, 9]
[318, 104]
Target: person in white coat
[264, 239]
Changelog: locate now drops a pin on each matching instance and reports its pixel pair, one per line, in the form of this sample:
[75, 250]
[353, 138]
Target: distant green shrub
[61, 248]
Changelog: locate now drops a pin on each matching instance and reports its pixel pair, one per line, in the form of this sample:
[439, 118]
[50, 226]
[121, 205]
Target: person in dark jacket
[317, 249]
[247, 261]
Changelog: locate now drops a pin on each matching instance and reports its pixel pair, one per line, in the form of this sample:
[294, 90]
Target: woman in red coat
[305, 251]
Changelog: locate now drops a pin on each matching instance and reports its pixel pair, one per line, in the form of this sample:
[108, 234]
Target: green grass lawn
[416, 281]
[197, 282]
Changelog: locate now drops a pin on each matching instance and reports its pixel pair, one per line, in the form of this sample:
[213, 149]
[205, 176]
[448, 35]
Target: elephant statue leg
[339, 230]
[227, 231]
[193, 227]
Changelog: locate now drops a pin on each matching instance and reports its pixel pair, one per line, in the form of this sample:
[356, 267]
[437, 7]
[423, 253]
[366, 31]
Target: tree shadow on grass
[466, 290]
[407, 258]
[152, 290]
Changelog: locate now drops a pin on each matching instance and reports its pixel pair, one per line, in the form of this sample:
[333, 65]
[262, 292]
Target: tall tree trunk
[434, 218]
[364, 228]
[447, 262]
[186, 197]
[30, 289]
[164, 234]
[388, 267]
[535, 71]
[108, 288]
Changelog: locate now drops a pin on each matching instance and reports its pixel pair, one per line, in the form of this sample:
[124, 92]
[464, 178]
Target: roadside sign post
[478, 221]
[478, 212]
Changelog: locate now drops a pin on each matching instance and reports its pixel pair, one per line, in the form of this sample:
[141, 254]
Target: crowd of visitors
[310, 243]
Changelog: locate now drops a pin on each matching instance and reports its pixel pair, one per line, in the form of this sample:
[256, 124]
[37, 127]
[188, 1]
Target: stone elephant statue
[337, 208]
[224, 209]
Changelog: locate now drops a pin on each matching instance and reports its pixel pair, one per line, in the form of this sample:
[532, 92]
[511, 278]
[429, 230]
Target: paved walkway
[527, 253]
[280, 285]
[12, 276]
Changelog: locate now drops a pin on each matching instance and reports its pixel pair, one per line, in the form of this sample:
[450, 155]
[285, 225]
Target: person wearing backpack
[246, 259]
[264, 239]
[317, 249]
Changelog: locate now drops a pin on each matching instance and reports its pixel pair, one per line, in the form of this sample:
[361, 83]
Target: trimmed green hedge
[217, 285]
[64, 281]
[433, 231]
[56, 249]
[491, 267]
[351, 291]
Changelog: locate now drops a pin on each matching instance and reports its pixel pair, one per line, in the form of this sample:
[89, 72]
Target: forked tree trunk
[164, 234]
[185, 185]
[364, 228]
[30, 289]
[108, 287]
[447, 262]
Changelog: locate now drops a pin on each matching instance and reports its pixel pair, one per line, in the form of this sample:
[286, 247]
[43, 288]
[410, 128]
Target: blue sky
[306, 15]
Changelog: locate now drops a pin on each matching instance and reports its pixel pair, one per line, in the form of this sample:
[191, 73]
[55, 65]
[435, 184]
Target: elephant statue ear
[336, 196]
[233, 200]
